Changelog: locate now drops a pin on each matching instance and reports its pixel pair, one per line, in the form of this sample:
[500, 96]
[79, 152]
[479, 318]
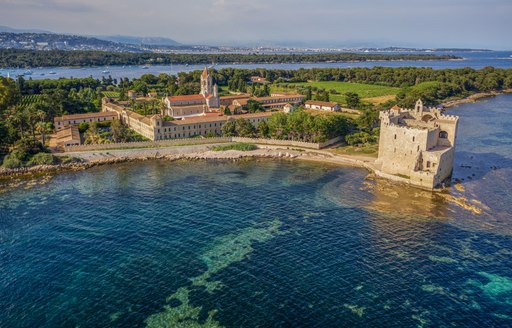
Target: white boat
[29, 72]
[52, 73]
[144, 67]
[105, 72]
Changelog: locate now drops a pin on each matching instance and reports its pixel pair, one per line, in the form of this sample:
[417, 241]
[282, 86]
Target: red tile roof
[186, 97]
[321, 103]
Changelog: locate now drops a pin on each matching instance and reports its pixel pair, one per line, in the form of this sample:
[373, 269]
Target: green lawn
[363, 90]
[371, 150]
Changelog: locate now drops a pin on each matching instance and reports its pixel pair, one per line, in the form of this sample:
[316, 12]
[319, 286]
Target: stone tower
[206, 83]
[417, 145]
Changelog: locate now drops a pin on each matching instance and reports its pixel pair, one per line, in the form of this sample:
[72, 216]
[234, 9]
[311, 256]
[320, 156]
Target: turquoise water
[268, 243]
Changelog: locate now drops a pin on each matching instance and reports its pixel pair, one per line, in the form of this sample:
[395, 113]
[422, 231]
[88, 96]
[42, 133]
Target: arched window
[443, 135]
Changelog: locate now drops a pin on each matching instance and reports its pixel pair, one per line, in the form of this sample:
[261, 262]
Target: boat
[186, 65]
[29, 72]
[105, 72]
[144, 67]
[52, 73]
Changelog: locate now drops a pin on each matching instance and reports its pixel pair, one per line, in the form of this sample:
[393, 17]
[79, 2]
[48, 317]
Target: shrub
[42, 159]
[12, 162]
[242, 146]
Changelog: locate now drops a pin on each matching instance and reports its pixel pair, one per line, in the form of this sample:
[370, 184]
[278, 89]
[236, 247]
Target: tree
[263, 130]
[253, 106]
[278, 127]
[44, 128]
[229, 129]
[92, 135]
[119, 131]
[9, 94]
[352, 99]
[244, 128]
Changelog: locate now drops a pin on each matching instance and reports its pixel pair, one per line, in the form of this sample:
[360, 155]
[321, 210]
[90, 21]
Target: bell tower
[206, 83]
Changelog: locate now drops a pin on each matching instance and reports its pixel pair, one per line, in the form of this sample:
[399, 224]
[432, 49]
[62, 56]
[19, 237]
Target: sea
[265, 243]
[473, 59]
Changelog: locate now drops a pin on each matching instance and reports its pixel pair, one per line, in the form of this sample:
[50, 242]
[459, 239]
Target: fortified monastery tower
[417, 144]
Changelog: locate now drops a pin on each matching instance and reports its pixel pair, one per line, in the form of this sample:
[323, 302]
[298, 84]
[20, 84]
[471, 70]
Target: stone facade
[155, 128]
[417, 144]
[322, 105]
[68, 136]
[61, 122]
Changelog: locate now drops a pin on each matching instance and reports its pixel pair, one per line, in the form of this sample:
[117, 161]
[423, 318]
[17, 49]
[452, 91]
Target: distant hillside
[8, 29]
[152, 41]
[50, 41]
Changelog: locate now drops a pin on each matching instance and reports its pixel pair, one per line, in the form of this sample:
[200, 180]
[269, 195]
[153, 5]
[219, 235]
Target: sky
[427, 23]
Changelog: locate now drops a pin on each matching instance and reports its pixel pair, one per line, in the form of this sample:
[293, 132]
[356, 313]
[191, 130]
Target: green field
[363, 90]
[111, 94]
[31, 99]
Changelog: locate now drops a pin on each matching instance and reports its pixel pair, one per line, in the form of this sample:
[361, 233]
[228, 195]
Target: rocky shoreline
[82, 164]
[27, 178]
[474, 98]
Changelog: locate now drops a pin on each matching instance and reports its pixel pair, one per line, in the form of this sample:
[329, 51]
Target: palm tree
[43, 128]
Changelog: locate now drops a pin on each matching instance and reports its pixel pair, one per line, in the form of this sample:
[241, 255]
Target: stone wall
[196, 141]
[276, 142]
[148, 144]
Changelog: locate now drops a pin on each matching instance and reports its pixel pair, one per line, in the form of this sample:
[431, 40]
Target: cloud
[433, 22]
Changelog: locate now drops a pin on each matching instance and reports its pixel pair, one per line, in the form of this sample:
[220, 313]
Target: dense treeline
[298, 126]
[53, 58]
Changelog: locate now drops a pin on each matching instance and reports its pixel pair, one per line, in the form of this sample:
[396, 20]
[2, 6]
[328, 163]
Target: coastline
[89, 159]
[27, 178]
[474, 98]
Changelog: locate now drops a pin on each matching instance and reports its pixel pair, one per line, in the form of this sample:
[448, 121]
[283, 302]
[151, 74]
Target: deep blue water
[268, 243]
[477, 60]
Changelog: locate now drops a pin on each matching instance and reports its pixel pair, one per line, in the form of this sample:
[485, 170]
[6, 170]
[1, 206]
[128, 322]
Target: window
[395, 136]
[413, 139]
[428, 164]
[443, 135]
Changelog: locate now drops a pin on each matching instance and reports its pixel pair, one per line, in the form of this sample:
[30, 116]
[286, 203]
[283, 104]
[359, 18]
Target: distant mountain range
[135, 40]
[8, 29]
[28, 39]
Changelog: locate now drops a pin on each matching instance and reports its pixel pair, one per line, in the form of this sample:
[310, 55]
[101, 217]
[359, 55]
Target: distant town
[55, 41]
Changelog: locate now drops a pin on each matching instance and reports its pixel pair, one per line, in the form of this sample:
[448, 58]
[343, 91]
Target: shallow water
[263, 243]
